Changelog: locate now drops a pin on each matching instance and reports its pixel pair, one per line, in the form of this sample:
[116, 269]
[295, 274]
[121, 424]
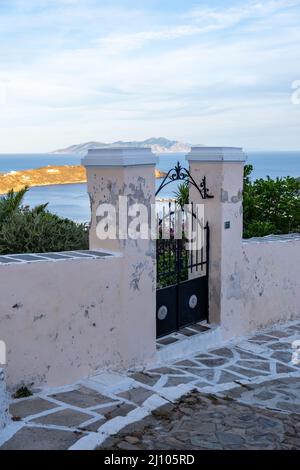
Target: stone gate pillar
[223, 168]
[129, 173]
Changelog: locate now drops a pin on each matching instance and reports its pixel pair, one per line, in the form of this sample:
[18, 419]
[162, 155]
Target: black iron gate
[182, 272]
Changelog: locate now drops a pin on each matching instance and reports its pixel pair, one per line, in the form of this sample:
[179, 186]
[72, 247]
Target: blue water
[15, 162]
[72, 200]
[68, 200]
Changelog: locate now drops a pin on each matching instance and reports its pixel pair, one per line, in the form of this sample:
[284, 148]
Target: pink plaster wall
[265, 285]
[63, 320]
[271, 279]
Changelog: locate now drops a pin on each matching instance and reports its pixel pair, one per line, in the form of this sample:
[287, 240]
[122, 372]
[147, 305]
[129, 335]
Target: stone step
[211, 338]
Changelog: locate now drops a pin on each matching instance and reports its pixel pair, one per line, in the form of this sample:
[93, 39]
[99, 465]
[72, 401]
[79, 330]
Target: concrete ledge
[108, 157]
[193, 344]
[22, 258]
[216, 154]
[274, 238]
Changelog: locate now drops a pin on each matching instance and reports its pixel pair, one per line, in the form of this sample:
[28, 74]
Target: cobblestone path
[205, 422]
[247, 394]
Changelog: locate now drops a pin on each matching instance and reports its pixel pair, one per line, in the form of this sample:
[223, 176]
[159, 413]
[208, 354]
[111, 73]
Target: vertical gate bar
[163, 256]
[197, 251]
[157, 263]
[178, 254]
[167, 244]
[186, 254]
[186, 269]
[207, 267]
[170, 243]
[191, 251]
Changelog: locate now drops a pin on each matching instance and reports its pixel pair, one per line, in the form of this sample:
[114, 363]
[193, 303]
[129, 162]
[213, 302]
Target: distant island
[46, 176]
[72, 174]
[157, 144]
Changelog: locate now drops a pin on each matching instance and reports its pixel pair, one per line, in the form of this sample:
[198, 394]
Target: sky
[205, 72]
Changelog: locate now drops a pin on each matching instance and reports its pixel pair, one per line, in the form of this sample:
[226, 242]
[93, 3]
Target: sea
[71, 200]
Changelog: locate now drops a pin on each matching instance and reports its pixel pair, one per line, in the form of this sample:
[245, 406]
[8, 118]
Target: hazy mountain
[158, 145]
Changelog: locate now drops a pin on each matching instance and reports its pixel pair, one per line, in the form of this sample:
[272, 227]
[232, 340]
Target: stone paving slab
[111, 412]
[30, 406]
[136, 395]
[83, 397]
[248, 379]
[68, 417]
[30, 438]
[144, 378]
[92, 427]
[278, 394]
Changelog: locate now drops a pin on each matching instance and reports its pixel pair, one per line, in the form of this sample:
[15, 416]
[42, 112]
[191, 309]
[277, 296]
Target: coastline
[46, 176]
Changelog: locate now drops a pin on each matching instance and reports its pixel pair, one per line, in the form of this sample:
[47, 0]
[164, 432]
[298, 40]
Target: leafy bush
[25, 230]
[270, 206]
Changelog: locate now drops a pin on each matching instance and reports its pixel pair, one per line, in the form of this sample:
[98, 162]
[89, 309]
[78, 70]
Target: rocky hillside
[158, 145]
[45, 176]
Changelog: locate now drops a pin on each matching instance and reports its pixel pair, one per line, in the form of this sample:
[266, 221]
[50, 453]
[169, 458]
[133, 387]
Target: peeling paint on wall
[271, 279]
[234, 289]
[234, 199]
[3, 400]
[224, 195]
[136, 276]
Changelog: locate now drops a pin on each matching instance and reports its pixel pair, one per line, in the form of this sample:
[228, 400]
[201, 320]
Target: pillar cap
[119, 156]
[216, 154]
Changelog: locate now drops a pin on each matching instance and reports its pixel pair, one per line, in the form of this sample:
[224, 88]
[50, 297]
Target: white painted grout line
[174, 393]
[54, 427]
[9, 431]
[93, 440]
[90, 421]
[64, 388]
[92, 410]
[42, 414]
[62, 408]
[108, 390]
[161, 382]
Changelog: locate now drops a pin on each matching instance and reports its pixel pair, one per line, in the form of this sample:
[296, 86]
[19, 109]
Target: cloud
[246, 11]
[199, 21]
[192, 75]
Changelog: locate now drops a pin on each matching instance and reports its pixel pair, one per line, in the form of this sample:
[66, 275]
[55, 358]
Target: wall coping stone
[216, 154]
[22, 258]
[119, 156]
[274, 238]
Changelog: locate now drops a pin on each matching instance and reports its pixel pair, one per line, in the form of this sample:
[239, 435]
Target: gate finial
[179, 173]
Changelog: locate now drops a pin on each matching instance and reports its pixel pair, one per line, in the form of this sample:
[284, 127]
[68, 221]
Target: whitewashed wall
[265, 285]
[63, 320]
[272, 279]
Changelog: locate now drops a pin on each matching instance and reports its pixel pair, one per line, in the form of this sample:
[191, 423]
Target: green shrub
[270, 206]
[25, 230]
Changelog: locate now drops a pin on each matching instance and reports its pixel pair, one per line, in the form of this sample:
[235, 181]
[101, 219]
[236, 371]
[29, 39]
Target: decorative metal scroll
[178, 173]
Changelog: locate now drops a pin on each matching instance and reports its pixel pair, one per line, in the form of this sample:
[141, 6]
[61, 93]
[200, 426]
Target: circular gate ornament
[162, 312]
[193, 301]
